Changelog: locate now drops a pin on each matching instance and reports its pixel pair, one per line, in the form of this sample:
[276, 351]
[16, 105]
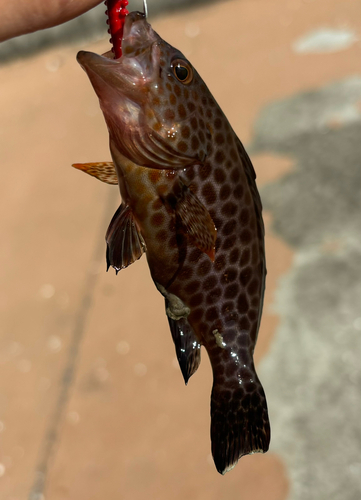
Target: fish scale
[190, 202]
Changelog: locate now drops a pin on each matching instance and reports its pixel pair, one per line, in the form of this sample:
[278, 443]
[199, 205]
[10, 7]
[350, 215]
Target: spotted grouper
[190, 202]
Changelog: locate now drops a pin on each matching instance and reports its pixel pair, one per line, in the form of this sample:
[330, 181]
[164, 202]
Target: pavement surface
[92, 402]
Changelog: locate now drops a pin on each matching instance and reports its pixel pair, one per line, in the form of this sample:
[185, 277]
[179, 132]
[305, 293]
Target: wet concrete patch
[312, 372]
[324, 40]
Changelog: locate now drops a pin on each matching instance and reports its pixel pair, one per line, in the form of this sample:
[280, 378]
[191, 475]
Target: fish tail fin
[239, 422]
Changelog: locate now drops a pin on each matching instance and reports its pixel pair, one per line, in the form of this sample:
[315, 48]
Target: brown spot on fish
[248, 198]
[157, 219]
[211, 314]
[242, 303]
[201, 136]
[225, 192]
[194, 143]
[161, 235]
[245, 275]
[246, 236]
[231, 291]
[244, 217]
[235, 175]
[219, 156]
[169, 114]
[195, 95]
[229, 275]
[194, 123]
[218, 124]
[220, 262]
[182, 146]
[185, 132]
[238, 192]
[195, 255]
[253, 287]
[244, 323]
[228, 228]
[209, 193]
[204, 268]
[196, 300]
[172, 99]
[252, 314]
[154, 175]
[219, 175]
[192, 287]
[214, 295]
[204, 171]
[229, 209]
[157, 204]
[219, 138]
[190, 173]
[245, 257]
[197, 315]
[209, 283]
[229, 242]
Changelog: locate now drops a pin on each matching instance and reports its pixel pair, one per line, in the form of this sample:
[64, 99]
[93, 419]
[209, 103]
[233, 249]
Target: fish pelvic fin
[104, 171]
[239, 424]
[196, 221]
[125, 243]
[187, 347]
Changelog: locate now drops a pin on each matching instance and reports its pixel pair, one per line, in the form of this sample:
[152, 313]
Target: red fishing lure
[116, 12]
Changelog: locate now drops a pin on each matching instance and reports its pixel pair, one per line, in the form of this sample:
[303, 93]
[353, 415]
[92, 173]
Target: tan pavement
[92, 402]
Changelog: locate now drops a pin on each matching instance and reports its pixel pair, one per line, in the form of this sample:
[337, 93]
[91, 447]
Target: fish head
[150, 98]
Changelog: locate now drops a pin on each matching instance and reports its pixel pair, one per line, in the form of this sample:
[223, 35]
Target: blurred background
[92, 402]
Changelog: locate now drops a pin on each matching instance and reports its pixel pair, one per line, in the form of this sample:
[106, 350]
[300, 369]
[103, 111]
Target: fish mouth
[124, 87]
[131, 74]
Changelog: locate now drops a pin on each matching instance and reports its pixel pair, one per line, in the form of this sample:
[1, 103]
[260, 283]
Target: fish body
[190, 202]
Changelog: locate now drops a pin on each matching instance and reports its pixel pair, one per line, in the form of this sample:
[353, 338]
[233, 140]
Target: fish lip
[126, 73]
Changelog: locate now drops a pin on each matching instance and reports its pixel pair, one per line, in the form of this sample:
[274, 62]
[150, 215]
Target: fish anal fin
[188, 349]
[104, 171]
[125, 244]
[197, 222]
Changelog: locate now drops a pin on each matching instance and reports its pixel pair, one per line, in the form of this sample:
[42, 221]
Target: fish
[190, 203]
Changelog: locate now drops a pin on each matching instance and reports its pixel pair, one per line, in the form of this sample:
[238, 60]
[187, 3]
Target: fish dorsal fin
[104, 171]
[125, 244]
[187, 347]
[197, 222]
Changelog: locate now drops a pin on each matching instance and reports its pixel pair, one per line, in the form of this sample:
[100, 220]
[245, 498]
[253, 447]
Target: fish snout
[138, 34]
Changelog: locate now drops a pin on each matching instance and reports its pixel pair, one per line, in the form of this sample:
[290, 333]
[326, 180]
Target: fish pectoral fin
[104, 171]
[197, 222]
[125, 243]
[187, 347]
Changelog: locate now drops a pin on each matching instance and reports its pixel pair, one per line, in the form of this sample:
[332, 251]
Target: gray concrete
[312, 374]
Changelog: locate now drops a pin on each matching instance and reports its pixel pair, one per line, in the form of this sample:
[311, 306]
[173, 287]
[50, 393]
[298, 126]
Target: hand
[25, 16]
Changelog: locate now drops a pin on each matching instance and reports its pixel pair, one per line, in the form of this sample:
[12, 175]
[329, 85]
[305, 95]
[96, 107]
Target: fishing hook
[145, 9]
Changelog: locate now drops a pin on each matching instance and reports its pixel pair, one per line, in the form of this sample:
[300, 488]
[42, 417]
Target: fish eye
[182, 71]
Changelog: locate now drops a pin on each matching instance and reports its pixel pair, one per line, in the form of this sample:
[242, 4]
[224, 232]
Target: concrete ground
[92, 402]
